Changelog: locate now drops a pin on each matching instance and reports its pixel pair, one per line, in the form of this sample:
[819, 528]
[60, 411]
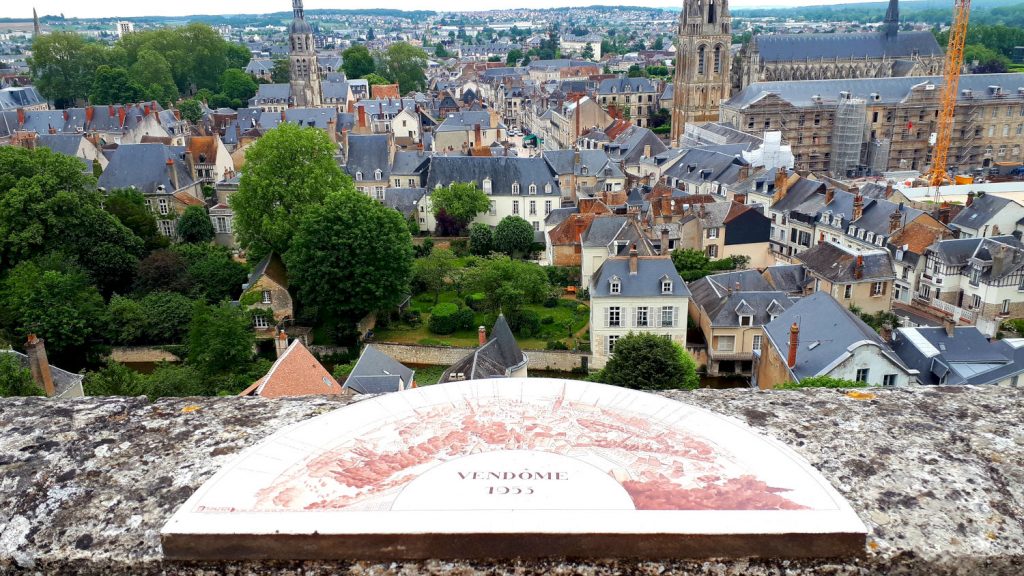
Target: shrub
[423, 249]
[821, 382]
[556, 345]
[547, 320]
[446, 318]
[551, 301]
[460, 247]
[525, 323]
[476, 301]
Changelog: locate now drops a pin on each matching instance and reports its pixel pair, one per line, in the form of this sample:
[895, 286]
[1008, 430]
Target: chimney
[950, 326]
[888, 190]
[739, 287]
[362, 116]
[895, 221]
[858, 206]
[634, 260]
[481, 333]
[281, 343]
[51, 130]
[581, 227]
[1002, 259]
[664, 240]
[576, 157]
[858, 269]
[794, 343]
[970, 198]
[39, 365]
[172, 174]
[332, 129]
[830, 193]
[110, 111]
[122, 114]
[190, 162]
[477, 136]
[89, 113]
[647, 150]
[21, 117]
[65, 115]
[283, 118]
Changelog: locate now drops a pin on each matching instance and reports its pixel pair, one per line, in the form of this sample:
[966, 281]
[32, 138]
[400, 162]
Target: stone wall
[936, 474]
[559, 360]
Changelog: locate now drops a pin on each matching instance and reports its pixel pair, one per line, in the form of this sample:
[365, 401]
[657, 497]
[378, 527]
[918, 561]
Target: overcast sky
[114, 8]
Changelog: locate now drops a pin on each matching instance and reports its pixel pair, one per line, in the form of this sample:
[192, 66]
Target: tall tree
[194, 226]
[287, 171]
[405, 65]
[481, 239]
[649, 362]
[350, 256]
[237, 85]
[281, 72]
[163, 271]
[62, 65]
[191, 110]
[238, 56]
[434, 270]
[15, 380]
[357, 61]
[220, 339]
[114, 86]
[588, 52]
[460, 202]
[214, 274]
[513, 236]
[153, 72]
[129, 207]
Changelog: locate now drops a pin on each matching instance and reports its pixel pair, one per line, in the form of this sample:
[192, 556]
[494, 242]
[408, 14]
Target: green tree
[163, 271]
[167, 317]
[214, 274]
[58, 302]
[514, 57]
[357, 61]
[281, 73]
[194, 226]
[191, 110]
[513, 236]
[238, 56]
[649, 362]
[374, 79]
[129, 207]
[15, 380]
[440, 52]
[127, 321]
[659, 43]
[114, 86]
[220, 339]
[434, 271]
[62, 66]
[405, 65]
[153, 72]
[988, 61]
[169, 380]
[507, 283]
[635, 71]
[337, 267]
[237, 85]
[48, 205]
[481, 239]
[115, 379]
[460, 202]
[588, 52]
[287, 171]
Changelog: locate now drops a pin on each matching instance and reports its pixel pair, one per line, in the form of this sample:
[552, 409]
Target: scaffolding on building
[878, 155]
[848, 136]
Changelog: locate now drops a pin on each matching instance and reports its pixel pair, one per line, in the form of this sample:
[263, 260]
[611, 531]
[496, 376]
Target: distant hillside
[1007, 12]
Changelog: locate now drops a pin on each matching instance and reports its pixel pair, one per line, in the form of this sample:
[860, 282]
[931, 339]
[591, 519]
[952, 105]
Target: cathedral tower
[304, 71]
[891, 24]
[703, 62]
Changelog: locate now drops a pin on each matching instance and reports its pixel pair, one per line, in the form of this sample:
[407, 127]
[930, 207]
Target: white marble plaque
[515, 467]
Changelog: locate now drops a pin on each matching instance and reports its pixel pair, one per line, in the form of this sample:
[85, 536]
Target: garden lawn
[557, 329]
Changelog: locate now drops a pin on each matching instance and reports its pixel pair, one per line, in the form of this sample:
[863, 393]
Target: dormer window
[837, 221]
[614, 286]
[547, 188]
[851, 230]
[583, 170]
[666, 286]
[359, 175]
[871, 237]
[487, 185]
[746, 320]
[533, 189]
[377, 174]
[515, 188]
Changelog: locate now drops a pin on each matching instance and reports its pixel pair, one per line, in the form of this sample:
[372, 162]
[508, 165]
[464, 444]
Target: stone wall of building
[557, 360]
[936, 474]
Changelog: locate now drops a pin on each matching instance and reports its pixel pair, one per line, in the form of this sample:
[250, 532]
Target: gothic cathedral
[304, 72]
[703, 62]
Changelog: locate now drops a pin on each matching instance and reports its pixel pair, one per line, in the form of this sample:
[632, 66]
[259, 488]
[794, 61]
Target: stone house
[377, 373]
[368, 159]
[221, 214]
[818, 336]
[296, 372]
[731, 310]
[585, 173]
[732, 229]
[636, 98]
[211, 162]
[267, 290]
[959, 355]
[564, 241]
[861, 279]
[461, 131]
[986, 215]
[609, 236]
[498, 356]
[634, 293]
[77, 145]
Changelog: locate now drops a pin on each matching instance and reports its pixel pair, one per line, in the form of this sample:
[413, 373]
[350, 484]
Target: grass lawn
[427, 374]
[558, 329]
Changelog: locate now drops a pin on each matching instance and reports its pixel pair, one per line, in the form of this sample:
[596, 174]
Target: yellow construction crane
[954, 64]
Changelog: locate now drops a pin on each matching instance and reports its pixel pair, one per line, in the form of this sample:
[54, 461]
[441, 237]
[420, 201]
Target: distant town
[345, 202]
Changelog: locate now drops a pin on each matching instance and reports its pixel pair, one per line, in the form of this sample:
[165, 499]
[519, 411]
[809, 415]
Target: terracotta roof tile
[919, 236]
[384, 91]
[203, 146]
[296, 373]
[188, 199]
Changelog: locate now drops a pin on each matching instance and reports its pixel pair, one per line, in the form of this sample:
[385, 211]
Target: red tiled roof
[378, 91]
[296, 373]
[188, 199]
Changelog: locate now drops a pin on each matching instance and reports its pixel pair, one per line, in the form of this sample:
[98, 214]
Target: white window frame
[378, 174]
[670, 312]
[533, 189]
[163, 207]
[515, 207]
[487, 185]
[863, 374]
[642, 317]
[746, 320]
[616, 313]
[615, 287]
[359, 177]
[612, 340]
[515, 188]
[721, 339]
[877, 288]
[755, 343]
[712, 233]
[259, 322]
[265, 297]
[666, 286]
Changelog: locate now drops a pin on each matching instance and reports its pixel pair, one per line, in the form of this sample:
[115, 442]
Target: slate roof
[66, 144]
[502, 171]
[837, 264]
[875, 214]
[646, 283]
[273, 92]
[334, 90]
[700, 165]
[858, 45]
[63, 381]
[960, 252]
[889, 90]
[376, 373]
[144, 166]
[295, 373]
[409, 162]
[980, 212]
[20, 97]
[405, 200]
[465, 120]
[788, 278]
[367, 153]
[497, 358]
[596, 163]
[625, 86]
[309, 117]
[723, 302]
[603, 230]
[827, 332]
[967, 357]
[628, 146]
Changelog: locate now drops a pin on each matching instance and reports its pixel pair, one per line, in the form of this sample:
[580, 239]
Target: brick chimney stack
[970, 198]
[21, 117]
[481, 333]
[858, 205]
[477, 136]
[39, 365]
[172, 174]
[281, 343]
[664, 240]
[950, 326]
[858, 269]
[794, 343]
[895, 221]
[830, 193]
[634, 260]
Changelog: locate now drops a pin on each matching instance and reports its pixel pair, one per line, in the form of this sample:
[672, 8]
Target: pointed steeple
[35, 23]
[297, 9]
[891, 25]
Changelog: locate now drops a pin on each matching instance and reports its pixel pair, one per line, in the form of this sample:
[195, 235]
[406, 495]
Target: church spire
[297, 9]
[35, 23]
[891, 25]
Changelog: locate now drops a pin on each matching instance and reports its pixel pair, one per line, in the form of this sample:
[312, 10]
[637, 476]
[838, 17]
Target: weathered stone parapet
[937, 474]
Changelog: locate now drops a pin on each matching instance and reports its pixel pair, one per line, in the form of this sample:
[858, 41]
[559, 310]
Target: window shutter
[606, 325]
[675, 315]
[885, 288]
